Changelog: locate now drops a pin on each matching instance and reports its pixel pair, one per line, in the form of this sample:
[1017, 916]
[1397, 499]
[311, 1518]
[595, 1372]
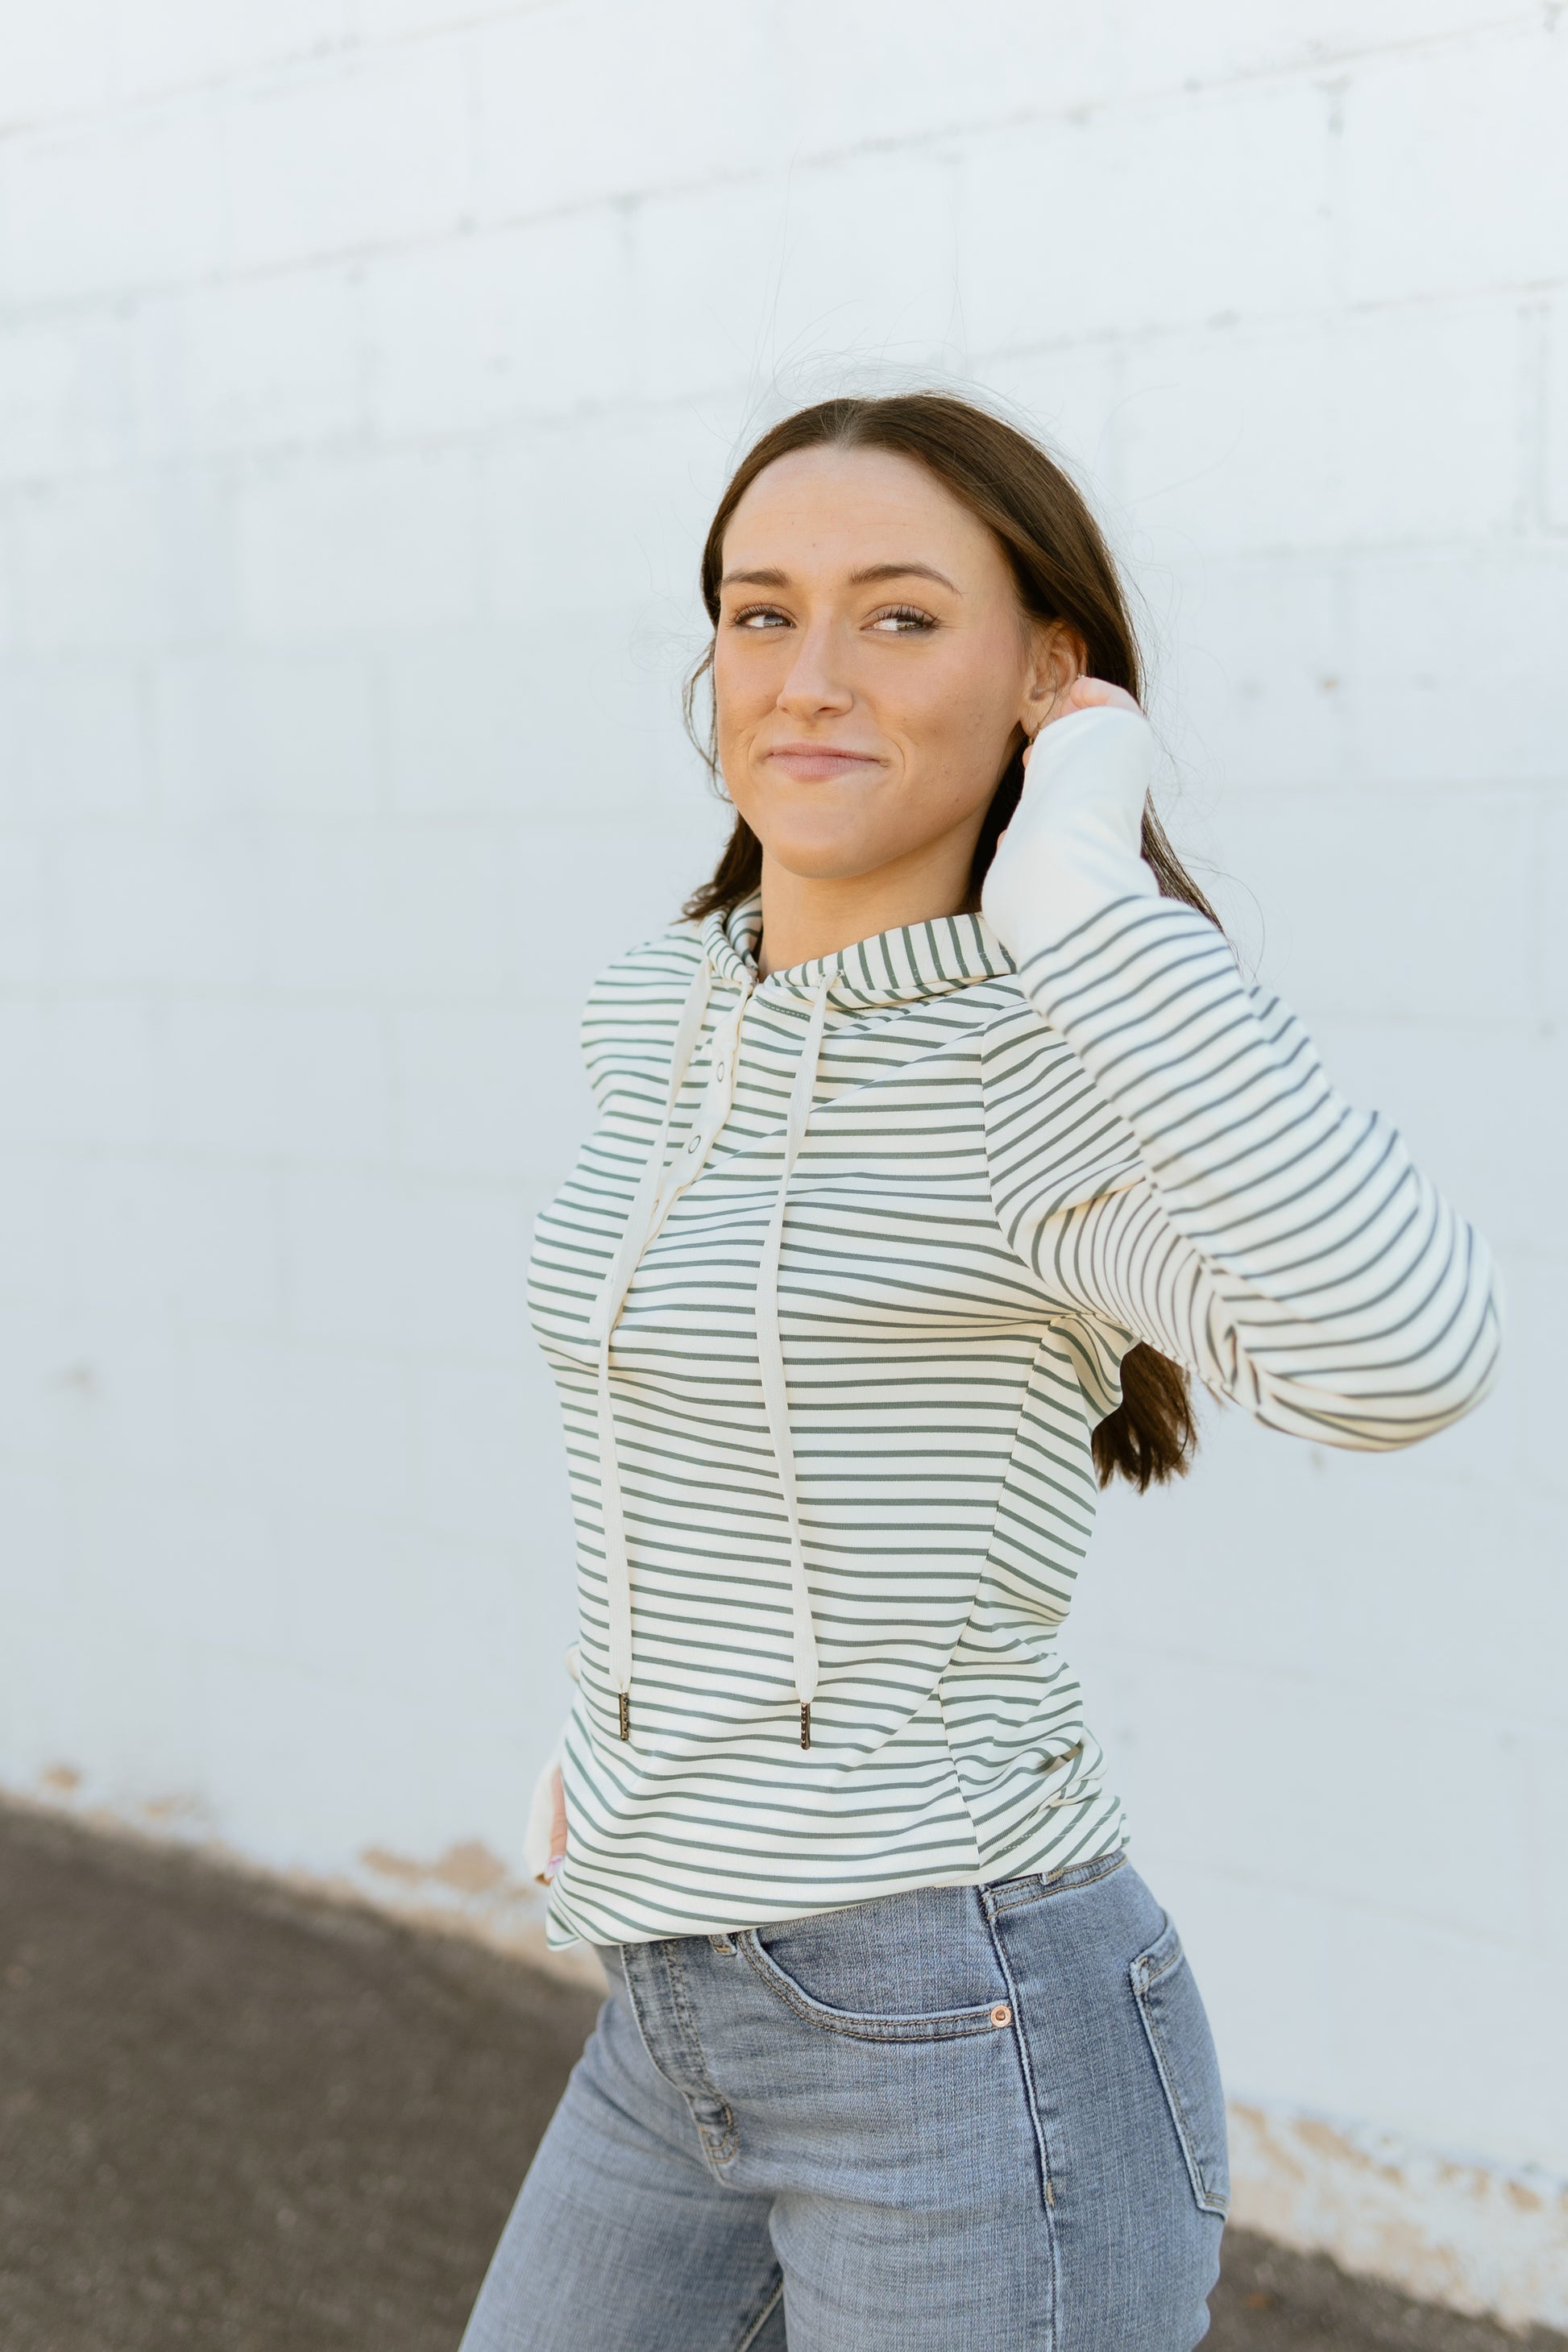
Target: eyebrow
[771, 577]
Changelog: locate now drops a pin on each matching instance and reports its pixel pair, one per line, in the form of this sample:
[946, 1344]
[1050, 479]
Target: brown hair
[1064, 573]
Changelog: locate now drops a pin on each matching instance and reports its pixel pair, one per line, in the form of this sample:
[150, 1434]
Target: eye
[903, 620]
[758, 616]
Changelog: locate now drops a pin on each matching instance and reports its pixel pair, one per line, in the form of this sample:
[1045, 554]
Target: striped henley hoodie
[835, 1296]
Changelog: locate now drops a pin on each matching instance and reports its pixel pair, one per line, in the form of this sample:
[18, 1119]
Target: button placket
[712, 1113]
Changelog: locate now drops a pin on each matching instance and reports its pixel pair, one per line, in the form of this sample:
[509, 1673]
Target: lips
[818, 763]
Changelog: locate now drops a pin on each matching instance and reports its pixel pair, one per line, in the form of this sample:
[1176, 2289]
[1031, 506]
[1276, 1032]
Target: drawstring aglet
[805, 1724]
[626, 1700]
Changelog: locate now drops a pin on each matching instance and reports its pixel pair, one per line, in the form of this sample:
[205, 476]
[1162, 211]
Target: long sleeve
[1276, 1240]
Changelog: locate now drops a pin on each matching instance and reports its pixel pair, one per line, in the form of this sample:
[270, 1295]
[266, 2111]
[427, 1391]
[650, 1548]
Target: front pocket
[945, 2025]
[1178, 2031]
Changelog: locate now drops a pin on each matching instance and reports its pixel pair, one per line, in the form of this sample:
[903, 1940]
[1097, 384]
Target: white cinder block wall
[367, 369]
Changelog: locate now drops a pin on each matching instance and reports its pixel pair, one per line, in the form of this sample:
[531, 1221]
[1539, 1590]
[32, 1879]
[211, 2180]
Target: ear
[1057, 656]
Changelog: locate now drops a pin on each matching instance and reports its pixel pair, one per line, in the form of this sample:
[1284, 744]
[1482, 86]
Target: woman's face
[873, 667]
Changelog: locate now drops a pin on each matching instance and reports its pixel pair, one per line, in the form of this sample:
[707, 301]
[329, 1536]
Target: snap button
[1001, 2014]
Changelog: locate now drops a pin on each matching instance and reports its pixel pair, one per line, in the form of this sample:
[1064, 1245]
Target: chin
[828, 861]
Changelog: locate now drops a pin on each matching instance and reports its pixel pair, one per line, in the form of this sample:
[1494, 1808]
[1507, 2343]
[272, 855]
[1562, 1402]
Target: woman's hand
[1083, 694]
[1075, 842]
[557, 1827]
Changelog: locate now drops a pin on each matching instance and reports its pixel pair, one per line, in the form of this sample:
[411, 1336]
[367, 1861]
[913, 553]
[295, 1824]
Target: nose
[814, 689]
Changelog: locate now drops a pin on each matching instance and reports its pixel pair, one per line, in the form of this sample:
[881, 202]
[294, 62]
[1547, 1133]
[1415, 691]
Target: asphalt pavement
[240, 2120]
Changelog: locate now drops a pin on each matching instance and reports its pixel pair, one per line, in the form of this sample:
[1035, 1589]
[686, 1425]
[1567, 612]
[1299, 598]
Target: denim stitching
[946, 2025]
[1056, 1882]
[1143, 1977]
[761, 2319]
[718, 2150]
[1026, 2068]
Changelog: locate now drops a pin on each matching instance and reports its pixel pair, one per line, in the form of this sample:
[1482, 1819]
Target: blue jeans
[961, 2120]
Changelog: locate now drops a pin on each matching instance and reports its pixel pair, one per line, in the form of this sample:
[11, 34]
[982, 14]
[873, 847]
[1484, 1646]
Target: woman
[934, 1159]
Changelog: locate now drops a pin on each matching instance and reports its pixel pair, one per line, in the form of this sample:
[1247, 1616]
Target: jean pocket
[870, 2026]
[1172, 2009]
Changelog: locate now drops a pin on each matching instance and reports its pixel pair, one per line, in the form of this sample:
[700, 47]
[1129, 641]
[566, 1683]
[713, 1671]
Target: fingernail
[551, 1866]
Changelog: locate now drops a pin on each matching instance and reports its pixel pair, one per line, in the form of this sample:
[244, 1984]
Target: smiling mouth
[812, 763]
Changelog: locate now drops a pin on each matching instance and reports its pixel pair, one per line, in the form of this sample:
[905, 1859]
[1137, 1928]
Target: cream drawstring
[770, 1357]
[640, 1223]
[657, 1188]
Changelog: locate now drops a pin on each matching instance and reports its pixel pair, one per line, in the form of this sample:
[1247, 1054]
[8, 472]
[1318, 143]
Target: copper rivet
[1001, 2014]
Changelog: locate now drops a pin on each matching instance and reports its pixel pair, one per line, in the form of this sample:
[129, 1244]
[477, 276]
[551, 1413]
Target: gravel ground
[236, 2119]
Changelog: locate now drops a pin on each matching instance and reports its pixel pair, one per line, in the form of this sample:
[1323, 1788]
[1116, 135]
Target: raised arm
[1277, 1240]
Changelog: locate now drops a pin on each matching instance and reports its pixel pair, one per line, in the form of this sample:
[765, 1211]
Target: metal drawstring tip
[626, 1700]
[805, 1724]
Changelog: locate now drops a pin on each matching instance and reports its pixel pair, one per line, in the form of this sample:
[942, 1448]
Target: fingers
[1083, 694]
[557, 1827]
[1098, 694]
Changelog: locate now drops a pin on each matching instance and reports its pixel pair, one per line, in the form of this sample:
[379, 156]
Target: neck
[807, 916]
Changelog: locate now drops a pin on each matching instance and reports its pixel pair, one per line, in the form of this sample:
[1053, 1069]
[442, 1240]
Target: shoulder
[641, 979]
[633, 1007]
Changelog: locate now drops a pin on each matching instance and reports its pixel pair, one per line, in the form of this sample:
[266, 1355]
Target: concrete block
[67, 394]
[26, 909]
[1536, 1298]
[273, 1082]
[329, 549]
[601, 512]
[255, 734]
[791, 287]
[483, 1092]
[550, 717]
[172, 44]
[491, 1468]
[953, 75]
[32, 1272]
[482, 329]
[1426, 627]
[1546, 452]
[342, 1425]
[419, 910]
[84, 739]
[1546, 1770]
[1107, 259]
[1250, 684]
[353, 156]
[24, 1073]
[391, 20]
[1430, 920]
[1554, 880]
[405, 1263]
[1414, 2049]
[151, 1239]
[97, 1089]
[114, 205]
[1066, 395]
[1493, 1142]
[1416, 212]
[1325, 435]
[53, 61]
[1336, 1766]
[252, 365]
[137, 906]
[1231, 39]
[122, 562]
[583, 893]
[651, 109]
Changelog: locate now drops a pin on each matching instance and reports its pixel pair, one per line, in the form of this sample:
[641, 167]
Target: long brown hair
[1064, 573]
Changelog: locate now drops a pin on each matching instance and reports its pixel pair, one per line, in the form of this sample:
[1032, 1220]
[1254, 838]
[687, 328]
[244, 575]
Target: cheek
[745, 684]
[959, 718]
